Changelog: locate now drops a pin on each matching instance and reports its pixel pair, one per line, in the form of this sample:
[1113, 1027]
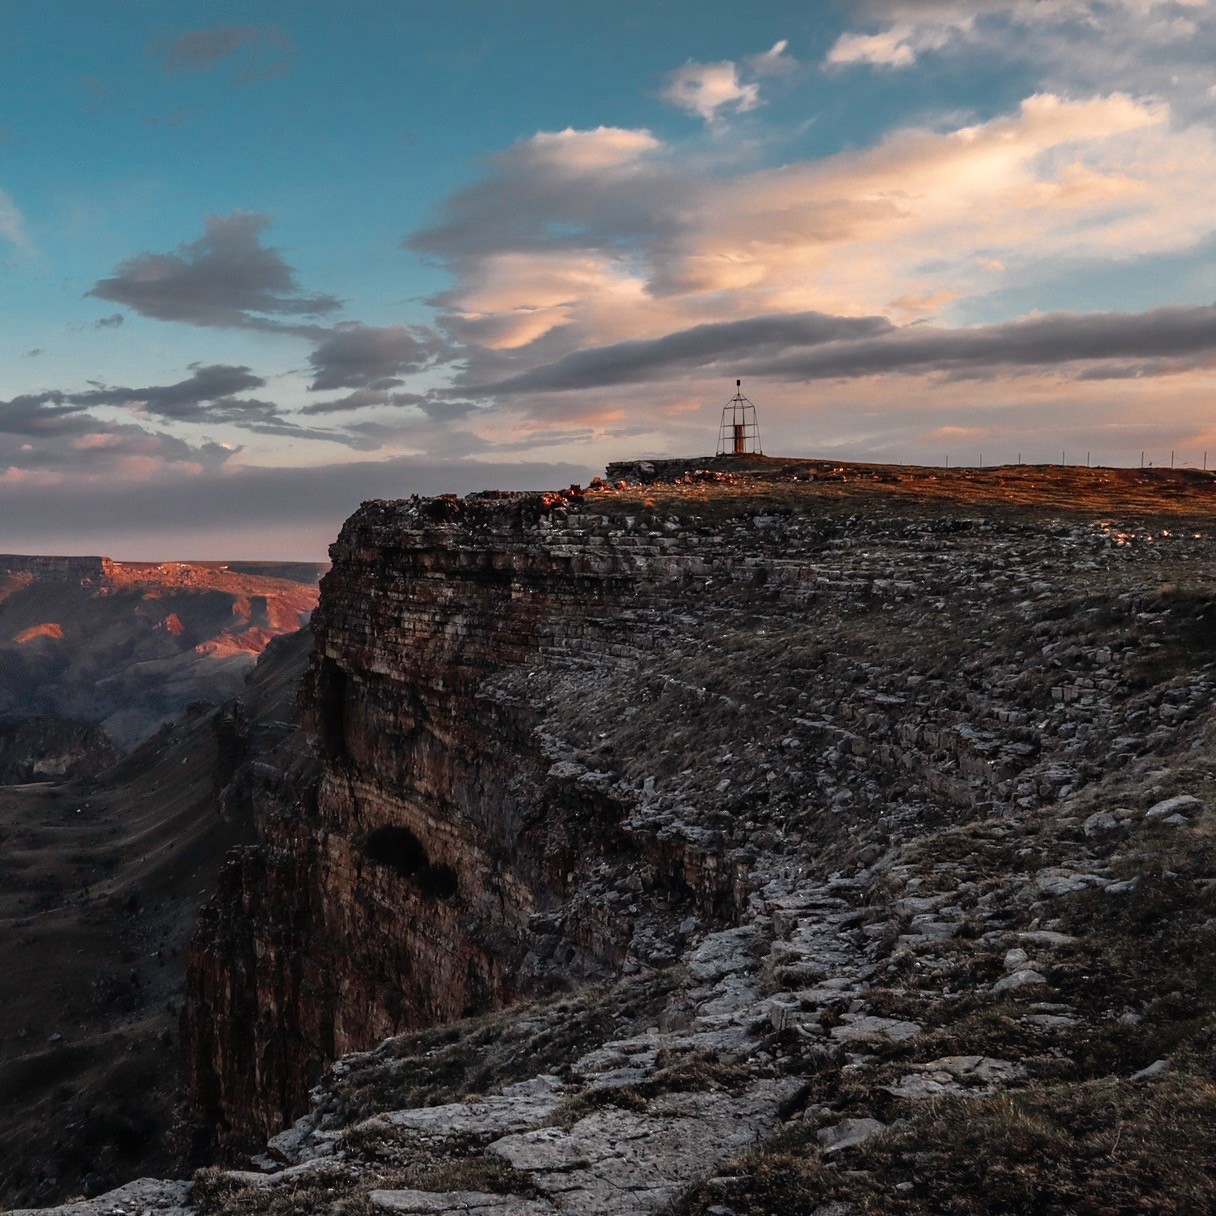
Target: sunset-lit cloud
[906, 226]
[901, 31]
[705, 89]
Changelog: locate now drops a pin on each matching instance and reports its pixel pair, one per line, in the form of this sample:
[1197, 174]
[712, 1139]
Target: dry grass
[480, 1054]
[774, 484]
[1093, 1149]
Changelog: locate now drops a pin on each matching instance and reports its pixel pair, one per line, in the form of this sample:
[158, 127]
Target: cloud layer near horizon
[294, 513]
[812, 346]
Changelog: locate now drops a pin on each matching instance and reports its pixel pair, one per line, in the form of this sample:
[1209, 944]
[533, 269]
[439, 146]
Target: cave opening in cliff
[437, 882]
[398, 849]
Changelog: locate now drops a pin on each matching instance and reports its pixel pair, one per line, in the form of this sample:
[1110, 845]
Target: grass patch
[478, 1055]
[1088, 1149]
[690, 1072]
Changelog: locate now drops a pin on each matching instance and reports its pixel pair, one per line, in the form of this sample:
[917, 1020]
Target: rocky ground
[953, 746]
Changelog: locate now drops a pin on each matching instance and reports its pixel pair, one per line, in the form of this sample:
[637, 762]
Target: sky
[260, 261]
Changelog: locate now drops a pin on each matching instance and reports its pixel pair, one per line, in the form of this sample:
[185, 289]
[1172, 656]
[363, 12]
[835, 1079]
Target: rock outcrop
[52, 749]
[860, 818]
[456, 855]
[561, 734]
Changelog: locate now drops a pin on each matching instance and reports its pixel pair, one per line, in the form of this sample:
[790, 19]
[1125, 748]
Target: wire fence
[1146, 459]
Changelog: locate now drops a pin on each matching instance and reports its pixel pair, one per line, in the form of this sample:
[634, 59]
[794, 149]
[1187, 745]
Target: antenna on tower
[739, 433]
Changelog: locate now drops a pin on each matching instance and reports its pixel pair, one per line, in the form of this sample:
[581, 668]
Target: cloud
[226, 279]
[1104, 40]
[773, 62]
[545, 191]
[371, 357]
[897, 47]
[12, 226]
[699, 347]
[51, 437]
[705, 89]
[575, 241]
[812, 346]
[266, 51]
[360, 399]
[580, 152]
[212, 395]
[1171, 333]
[206, 395]
[34, 353]
[202, 49]
[113, 321]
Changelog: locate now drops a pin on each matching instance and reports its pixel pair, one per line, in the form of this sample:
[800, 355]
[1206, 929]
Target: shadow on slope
[99, 887]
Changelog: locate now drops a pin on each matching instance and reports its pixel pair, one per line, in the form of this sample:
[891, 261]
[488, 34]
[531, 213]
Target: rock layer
[444, 864]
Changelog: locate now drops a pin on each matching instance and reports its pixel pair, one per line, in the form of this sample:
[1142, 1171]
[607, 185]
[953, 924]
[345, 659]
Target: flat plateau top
[771, 483]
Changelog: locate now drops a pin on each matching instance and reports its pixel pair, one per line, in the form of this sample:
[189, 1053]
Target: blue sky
[268, 259]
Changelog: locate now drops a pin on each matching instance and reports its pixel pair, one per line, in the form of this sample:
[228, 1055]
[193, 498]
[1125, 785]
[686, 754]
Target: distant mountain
[129, 645]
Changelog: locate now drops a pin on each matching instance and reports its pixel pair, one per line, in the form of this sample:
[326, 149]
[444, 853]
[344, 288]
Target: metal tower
[739, 433]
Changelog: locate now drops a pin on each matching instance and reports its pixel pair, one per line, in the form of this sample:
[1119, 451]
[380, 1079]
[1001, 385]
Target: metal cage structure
[739, 432]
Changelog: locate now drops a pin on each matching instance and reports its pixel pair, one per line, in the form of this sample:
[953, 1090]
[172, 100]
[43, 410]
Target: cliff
[456, 855]
[799, 838]
[562, 734]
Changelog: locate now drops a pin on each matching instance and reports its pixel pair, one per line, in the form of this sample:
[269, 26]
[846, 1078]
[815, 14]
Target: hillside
[127, 646]
[100, 884]
[764, 838]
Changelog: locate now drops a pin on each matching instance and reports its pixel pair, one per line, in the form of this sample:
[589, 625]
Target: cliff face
[886, 792]
[560, 735]
[447, 860]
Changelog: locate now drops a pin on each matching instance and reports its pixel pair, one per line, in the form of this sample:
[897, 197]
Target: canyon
[101, 880]
[727, 836]
[127, 646]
